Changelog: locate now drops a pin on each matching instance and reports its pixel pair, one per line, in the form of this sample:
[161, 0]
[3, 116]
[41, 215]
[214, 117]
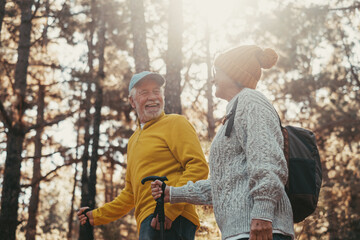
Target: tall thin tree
[86, 231]
[138, 27]
[16, 131]
[35, 183]
[71, 215]
[174, 58]
[2, 14]
[97, 115]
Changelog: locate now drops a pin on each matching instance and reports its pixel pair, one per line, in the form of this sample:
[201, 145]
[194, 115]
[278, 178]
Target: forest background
[65, 120]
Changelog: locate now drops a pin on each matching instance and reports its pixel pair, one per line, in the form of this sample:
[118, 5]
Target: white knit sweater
[247, 171]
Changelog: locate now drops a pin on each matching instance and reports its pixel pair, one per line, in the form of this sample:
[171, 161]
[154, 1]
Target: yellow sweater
[166, 146]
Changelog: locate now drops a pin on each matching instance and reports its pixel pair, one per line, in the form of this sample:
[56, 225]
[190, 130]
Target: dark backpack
[305, 172]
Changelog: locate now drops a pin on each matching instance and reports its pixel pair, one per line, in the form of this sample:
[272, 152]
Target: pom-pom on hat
[243, 64]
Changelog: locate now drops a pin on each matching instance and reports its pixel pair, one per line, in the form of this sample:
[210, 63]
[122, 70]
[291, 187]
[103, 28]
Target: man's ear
[132, 103]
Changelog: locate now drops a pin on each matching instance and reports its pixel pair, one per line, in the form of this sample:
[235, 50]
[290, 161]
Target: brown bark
[11, 183]
[174, 58]
[95, 147]
[351, 8]
[16, 133]
[2, 14]
[97, 114]
[138, 28]
[86, 231]
[35, 190]
[71, 215]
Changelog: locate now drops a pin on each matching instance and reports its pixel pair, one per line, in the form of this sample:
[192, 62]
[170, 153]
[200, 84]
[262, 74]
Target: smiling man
[162, 145]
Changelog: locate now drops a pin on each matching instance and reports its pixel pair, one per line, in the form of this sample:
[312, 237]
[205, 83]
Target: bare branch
[37, 5]
[40, 64]
[44, 178]
[55, 83]
[5, 116]
[85, 12]
[120, 163]
[51, 154]
[354, 7]
[56, 120]
[6, 65]
[353, 71]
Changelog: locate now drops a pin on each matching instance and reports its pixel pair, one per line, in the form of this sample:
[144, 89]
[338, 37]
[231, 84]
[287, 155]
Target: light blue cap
[139, 76]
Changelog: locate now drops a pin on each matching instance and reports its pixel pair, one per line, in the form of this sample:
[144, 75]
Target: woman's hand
[156, 190]
[82, 218]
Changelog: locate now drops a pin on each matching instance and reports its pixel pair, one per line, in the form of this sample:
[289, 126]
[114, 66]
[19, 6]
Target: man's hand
[156, 191]
[156, 225]
[260, 229]
[82, 218]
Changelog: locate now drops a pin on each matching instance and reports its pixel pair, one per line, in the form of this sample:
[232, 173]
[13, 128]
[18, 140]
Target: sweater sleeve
[185, 146]
[198, 193]
[117, 208]
[262, 141]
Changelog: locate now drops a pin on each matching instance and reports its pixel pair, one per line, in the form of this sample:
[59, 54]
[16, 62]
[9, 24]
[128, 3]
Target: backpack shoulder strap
[286, 149]
[231, 117]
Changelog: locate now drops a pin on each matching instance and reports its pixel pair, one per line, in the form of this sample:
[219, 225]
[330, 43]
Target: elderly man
[163, 145]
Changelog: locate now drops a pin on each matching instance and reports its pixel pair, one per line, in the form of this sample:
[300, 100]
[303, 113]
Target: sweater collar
[151, 122]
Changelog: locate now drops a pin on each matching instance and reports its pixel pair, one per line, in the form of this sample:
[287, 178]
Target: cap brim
[145, 75]
[154, 76]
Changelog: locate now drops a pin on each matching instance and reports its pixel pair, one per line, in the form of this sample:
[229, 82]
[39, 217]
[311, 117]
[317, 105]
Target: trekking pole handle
[160, 201]
[153, 178]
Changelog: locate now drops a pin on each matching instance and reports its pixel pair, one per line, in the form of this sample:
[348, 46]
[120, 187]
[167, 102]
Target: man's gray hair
[132, 92]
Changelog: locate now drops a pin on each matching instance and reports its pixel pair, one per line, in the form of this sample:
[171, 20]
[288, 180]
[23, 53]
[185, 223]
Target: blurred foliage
[314, 85]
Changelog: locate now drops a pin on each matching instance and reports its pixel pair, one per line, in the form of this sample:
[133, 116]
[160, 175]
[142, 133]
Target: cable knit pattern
[248, 171]
[199, 193]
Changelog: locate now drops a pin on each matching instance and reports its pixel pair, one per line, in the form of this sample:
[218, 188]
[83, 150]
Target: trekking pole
[87, 228]
[159, 210]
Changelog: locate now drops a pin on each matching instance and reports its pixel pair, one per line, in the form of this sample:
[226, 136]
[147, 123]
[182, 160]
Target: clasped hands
[156, 192]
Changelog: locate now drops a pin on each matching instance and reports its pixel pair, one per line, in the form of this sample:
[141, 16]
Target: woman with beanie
[248, 169]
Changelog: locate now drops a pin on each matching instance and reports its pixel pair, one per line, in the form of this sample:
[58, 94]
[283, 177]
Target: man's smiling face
[148, 100]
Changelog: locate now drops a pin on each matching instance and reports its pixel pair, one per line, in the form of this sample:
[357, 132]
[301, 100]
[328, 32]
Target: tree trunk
[209, 97]
[174, 59]
[24, 48]
[71, 215]
[86, 231]
[16, 133]
[2, 14]
[95, 147]
[46, 27]
[97, 114]
[35, 190]
[332, 217]
[138, 27]
[11, 184]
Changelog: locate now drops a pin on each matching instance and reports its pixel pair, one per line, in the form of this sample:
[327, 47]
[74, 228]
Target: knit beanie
[243, 64]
